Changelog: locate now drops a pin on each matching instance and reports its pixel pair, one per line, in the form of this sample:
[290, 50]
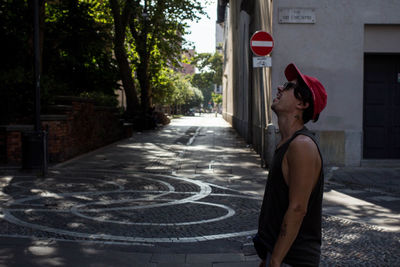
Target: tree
[77, 50]
[75, 47]
[122, 13]
[186, 95]
[80, 37]
[217, 99]
[156, 29]
[203, 81]
[210, 67]
[175, 90]
[164, 87]
[195, 99]
[16, 70]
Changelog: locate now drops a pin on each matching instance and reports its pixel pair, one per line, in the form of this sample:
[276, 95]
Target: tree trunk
[145, 86]
[143, 48]
[125, 69]
[132, 103]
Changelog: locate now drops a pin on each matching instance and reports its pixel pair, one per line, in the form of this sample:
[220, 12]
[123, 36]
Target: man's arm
[301, 167]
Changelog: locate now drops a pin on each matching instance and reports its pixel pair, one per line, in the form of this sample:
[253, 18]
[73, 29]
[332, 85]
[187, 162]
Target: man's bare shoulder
[303, 144]
[302, 161]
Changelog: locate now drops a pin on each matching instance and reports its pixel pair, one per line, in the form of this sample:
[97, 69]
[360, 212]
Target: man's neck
[288, 125]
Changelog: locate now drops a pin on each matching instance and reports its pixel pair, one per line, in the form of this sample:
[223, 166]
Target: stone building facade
[351, 46]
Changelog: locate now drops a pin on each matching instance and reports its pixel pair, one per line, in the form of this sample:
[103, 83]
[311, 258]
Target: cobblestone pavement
[126, 207]
[191, 188]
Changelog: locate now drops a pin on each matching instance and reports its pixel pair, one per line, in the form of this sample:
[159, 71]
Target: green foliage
[210, 73]
[163, 28]
[216, 65]
[164, 87]
[217, 98]
[16, 71]
[101, 99]
[76, 52]
[77, 49]
[172, 88]
[156, 32]
[195, 100]
[15, 36]
[99, 11]
[203, 81]
[210, 63]
[186, 95]
[183, 90]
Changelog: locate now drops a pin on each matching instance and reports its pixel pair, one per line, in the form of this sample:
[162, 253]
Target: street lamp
[34, 144]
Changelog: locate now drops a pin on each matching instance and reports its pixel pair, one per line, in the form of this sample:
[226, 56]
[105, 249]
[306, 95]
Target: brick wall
[3, 145]
[14, 147]
[79, 127]
[58, 140]
[11, 143]
[83, 128]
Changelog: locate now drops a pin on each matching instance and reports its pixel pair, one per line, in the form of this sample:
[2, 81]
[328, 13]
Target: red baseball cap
[316, 88]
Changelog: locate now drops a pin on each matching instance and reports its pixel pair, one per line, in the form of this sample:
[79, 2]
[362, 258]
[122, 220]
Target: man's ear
[303, 105]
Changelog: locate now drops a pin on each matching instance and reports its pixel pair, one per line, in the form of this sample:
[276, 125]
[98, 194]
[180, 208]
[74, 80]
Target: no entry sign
[261, 43]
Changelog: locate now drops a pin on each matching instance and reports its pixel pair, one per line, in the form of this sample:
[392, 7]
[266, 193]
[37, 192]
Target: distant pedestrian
[289, 232]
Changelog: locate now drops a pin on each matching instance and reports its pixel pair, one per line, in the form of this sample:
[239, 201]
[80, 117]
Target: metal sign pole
[262, 43]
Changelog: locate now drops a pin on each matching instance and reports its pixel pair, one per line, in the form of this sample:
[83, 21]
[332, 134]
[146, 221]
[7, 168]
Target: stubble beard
[273, 108]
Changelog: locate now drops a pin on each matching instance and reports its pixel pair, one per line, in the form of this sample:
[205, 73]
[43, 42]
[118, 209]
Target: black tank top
[306, 249]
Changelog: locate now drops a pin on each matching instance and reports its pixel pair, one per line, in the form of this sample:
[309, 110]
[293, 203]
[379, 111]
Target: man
[289, 232]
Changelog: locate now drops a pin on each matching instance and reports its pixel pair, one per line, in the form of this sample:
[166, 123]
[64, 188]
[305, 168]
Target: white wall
[332, 49]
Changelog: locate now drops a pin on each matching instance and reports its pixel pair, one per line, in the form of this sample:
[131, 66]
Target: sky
[203, 32]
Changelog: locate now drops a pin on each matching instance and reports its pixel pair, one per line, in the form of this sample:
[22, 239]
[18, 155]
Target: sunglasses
[288, 85]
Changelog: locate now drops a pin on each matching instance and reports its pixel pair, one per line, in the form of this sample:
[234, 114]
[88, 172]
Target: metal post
[42, 149]
[262, 120]
[37, 64]
[45, 153]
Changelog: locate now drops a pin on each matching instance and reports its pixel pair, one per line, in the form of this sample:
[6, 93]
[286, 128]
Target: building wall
[245, 89]
[331, 49]
[188, 68]
[227, 95]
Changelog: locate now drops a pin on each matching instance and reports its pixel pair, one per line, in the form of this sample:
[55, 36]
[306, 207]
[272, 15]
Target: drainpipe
[262, 119]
